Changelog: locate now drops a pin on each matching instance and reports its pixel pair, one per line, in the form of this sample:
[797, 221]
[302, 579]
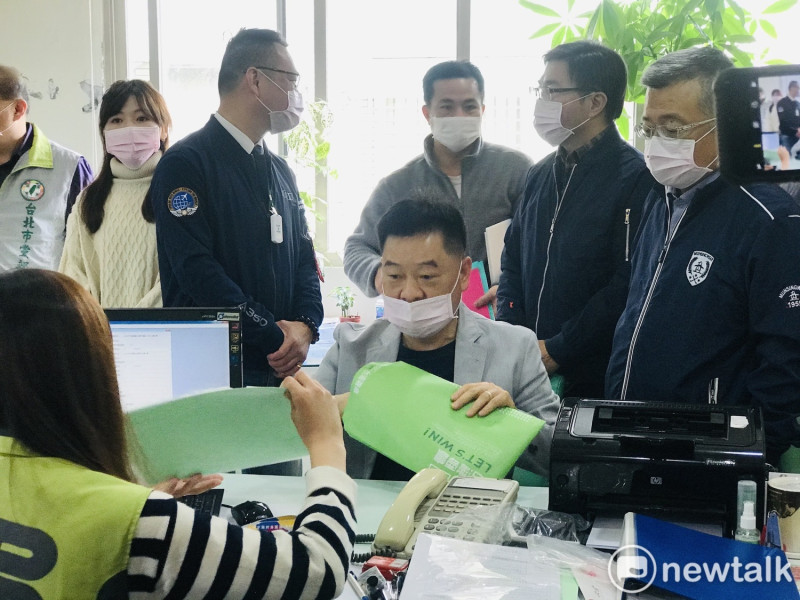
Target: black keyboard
[208, 502]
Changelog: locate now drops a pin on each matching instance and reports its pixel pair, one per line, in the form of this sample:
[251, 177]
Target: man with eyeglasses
[230, 223]
[713, 311]
[484, 181]
[564, 265]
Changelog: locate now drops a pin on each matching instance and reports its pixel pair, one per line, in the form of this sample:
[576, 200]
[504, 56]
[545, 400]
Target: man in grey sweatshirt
[484, 181]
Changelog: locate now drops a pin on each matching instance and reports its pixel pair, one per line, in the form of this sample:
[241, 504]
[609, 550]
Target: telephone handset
[428, 503]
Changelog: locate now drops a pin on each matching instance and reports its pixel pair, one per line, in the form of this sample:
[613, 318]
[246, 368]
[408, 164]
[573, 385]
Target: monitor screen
[166, 353]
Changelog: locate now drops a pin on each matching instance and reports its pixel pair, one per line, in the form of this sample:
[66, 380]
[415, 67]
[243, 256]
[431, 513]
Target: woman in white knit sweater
[111, 237]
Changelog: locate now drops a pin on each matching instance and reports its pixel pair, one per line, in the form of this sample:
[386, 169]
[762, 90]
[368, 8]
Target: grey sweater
[492, 184]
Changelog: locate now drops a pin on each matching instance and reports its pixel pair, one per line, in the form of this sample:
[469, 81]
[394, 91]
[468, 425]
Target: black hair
[594, 67]
[420, 215]
[451, 69]
[703, 63]
[248, 48]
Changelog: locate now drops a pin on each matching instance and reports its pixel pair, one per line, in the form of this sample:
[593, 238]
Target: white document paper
[449, 569]
[495, 241]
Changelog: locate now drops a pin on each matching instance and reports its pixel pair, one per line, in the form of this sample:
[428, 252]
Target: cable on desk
[365, 538]
[362, 557]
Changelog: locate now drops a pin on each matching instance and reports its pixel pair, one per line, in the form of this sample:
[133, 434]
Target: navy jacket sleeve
[186, 256]
[82, 177]
[308, 300]
[510, 305]
[774, 301]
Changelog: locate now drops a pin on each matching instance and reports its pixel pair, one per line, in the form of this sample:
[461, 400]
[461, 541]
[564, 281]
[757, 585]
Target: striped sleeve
[179, 553]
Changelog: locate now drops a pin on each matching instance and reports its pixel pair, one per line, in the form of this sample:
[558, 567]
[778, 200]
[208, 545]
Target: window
[375, 93]
[192, 39]
[366, 58]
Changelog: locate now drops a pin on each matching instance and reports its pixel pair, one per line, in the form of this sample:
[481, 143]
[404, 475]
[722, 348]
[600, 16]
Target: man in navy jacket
[564, 267]
[230, 222]
[713, 311]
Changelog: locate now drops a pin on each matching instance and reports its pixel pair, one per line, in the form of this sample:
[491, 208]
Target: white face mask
[456, 133]
[423, 318]
[671, 161]
[132, 146]
[284, 120]
[547, 120]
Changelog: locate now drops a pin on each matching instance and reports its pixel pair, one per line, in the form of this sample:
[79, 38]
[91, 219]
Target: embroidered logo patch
[32, 189]
[698, 267]
[182, 202]
[791, 295]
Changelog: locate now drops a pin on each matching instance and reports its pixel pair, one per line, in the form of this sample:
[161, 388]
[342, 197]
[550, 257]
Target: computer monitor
[166, 353]
[316, 352]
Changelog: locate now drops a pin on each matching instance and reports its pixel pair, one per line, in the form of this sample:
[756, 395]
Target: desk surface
[284, 495]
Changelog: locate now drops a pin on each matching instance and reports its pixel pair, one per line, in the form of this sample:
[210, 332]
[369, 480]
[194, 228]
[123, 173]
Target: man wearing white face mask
[484, 181]
[564, 267]
[424, 270]
[713, 311]
[39, 182]
[230, 222]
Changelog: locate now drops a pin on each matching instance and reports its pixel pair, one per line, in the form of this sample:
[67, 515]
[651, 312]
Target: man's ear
[20, 109]
[426, 112]
[466, 270]
[599, 101]
[251, 79]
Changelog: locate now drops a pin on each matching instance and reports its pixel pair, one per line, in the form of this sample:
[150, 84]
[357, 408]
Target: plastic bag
[548, 523]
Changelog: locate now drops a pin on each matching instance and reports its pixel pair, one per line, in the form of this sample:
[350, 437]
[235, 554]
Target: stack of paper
[495, 241]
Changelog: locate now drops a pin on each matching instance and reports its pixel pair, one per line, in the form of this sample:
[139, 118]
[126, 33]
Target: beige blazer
[500, 353]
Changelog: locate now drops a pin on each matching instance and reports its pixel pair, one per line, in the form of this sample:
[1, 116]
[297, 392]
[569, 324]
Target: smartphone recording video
[758, 120]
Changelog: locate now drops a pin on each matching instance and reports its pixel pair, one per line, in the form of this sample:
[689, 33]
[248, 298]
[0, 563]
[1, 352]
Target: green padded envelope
[404, 413]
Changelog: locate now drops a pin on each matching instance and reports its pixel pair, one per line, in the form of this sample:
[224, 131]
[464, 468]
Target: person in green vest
[73, 521]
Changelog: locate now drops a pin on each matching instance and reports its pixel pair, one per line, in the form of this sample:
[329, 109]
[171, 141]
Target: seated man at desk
[424, 271]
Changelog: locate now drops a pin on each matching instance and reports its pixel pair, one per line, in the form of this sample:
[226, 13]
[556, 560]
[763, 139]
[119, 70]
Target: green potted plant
[644, 30]
[345, 300]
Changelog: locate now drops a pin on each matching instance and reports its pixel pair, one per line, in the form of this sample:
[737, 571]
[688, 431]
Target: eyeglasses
[648, 131]
[546, 92]
[289, 74]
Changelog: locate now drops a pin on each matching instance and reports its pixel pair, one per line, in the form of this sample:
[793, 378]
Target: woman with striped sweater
[68, 503]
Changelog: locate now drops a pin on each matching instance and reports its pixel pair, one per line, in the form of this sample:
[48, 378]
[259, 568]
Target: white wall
[58, 40]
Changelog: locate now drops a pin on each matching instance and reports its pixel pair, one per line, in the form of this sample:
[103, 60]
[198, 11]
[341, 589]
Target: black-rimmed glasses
[546, 92]
[289, 74]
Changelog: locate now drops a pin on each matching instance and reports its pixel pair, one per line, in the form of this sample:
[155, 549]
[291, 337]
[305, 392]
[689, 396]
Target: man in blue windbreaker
[713, 310]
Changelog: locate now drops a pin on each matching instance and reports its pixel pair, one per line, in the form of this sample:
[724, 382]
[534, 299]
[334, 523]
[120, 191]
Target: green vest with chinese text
[33, 205]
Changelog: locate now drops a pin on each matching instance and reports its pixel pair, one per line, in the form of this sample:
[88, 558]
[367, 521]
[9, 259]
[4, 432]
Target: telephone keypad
[449, 505]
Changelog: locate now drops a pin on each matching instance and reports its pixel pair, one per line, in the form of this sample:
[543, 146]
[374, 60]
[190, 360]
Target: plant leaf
[768, 28]
[558, 36]
[545, 30]
[539, 9]
[779, 6]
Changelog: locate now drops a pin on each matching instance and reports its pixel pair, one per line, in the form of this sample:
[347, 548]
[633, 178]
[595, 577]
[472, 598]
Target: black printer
[679, 462]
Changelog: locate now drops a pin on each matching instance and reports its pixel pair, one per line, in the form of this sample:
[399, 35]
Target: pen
[351, 579]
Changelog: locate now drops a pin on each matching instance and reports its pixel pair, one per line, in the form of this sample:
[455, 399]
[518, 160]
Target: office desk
[284, 495]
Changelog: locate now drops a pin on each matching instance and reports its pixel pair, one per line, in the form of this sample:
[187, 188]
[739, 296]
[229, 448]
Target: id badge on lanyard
[276, 227]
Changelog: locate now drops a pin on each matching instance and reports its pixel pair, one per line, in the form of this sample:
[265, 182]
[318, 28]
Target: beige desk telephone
[430, 504]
